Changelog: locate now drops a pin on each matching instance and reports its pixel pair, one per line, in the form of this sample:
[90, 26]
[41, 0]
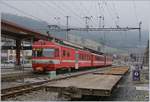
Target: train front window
[37, 52]
[49, 52]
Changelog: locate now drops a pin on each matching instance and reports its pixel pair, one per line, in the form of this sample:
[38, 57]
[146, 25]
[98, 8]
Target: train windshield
[45, 52]
[49, 52]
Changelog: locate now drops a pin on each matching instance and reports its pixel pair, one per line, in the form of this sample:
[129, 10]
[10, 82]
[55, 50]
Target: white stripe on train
[55, 61]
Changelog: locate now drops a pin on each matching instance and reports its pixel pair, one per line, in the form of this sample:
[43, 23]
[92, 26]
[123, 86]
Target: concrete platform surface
[90, 82]
[114, 71]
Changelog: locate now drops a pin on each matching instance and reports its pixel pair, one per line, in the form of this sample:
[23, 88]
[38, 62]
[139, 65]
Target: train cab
[45, 55]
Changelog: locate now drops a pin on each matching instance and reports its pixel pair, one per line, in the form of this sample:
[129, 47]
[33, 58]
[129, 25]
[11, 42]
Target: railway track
[19, 90]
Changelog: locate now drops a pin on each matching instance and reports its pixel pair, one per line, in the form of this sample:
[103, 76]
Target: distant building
[10, 55]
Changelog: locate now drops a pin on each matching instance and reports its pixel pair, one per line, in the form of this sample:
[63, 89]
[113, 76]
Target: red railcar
[50, 56]
[98, 60]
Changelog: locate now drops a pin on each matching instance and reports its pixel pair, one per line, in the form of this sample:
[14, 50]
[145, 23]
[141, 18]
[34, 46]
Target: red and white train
[51, 56]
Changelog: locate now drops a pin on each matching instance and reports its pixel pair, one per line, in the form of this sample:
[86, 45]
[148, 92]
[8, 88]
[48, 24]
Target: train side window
[82, 56]
[56, 52]
[86, 57]
[68, 54]
[64, 53]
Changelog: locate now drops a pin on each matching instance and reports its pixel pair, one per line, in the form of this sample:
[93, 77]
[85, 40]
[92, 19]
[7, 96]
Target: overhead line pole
[86, 21]
[100, 21]
[67, 25]
[140, 31]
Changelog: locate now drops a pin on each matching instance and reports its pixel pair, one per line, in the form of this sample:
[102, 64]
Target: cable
[47, 5]
[115, 13]
[110, 13]
[87, 11]
[72, 11]
[59, 10]
[64, 10]
[90, 9]
[135, 12]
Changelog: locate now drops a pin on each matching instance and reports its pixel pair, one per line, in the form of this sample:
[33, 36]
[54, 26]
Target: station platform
[89, 84]
[92, 84]
[114, 71]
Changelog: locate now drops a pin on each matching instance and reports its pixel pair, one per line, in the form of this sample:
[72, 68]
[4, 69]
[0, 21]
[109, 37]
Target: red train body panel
[50, 56]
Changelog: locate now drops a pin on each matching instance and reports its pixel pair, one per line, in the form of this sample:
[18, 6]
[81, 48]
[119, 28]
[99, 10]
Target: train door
[76, 59]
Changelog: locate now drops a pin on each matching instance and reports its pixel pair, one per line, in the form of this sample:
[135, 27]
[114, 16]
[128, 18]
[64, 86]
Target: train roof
[80, 47]
[70, 44]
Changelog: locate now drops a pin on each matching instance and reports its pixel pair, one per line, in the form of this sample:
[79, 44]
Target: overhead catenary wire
[93, 18]
[96, 9]
[109, 12]
[115, 12]
[135, 12]
[69, 11]
[72, 10]
[88, 11]
[100, 5]
[49, 6]
[39, 5]
[101, 13]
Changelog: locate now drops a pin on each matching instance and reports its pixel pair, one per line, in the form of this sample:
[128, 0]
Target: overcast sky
[129, 12]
